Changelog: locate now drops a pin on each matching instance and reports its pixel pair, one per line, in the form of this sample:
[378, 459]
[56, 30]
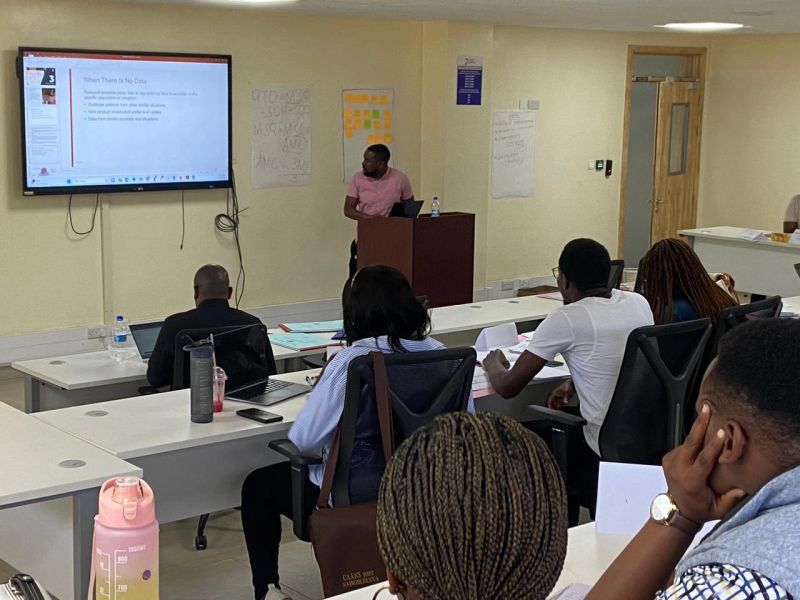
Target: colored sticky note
[348, 123]
[374, 99]
[387, 139]
[367, 124]
[376, 114]
[350, 98]
[384, 99]
[376, 125]
[363, 99]
[371, 139]
[387, 114]
[358, 124]
[348, 133]
[348, 113]
[357, 115]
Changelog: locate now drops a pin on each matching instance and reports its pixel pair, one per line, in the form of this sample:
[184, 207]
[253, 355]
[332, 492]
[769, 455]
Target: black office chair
[645, 416]
[727, 320]
[422, 386]
[244, 352]
[797, 269]
[615, 276]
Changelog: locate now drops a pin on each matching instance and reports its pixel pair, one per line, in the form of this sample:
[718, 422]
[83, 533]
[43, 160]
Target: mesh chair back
[422, 386]
[244, 352]
[615, 275]
[645, 418]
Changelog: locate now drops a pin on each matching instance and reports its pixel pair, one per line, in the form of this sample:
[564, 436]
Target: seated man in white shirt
[590, 331]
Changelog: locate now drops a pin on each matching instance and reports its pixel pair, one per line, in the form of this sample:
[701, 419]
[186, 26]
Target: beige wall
[295, 240]
[749, 166]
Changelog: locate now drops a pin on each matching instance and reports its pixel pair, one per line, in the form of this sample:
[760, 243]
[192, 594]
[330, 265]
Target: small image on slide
[48, 95]
[49, 76]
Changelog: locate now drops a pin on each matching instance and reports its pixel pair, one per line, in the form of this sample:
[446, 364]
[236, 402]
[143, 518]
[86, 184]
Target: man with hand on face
[374, 190]
[740, 463]
[590, 331]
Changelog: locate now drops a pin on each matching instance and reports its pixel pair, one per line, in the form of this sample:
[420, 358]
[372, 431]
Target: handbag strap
[384, 422]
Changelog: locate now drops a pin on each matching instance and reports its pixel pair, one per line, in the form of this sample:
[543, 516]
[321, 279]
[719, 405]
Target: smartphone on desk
[262, 416]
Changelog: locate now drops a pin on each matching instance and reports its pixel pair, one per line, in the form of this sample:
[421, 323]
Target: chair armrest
[290, 451]
[554, 416]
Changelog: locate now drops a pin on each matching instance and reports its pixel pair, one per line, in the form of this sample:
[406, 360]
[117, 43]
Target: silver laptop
[266, 392]
[145, 336]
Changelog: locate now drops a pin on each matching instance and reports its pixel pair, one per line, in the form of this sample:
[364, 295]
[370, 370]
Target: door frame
[695, 68]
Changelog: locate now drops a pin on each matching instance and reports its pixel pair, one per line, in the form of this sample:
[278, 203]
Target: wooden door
[677, 158]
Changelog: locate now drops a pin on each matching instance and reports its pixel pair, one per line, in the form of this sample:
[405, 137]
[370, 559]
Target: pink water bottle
[125, 549]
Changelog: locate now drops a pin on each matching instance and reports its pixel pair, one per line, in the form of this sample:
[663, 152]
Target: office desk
[49, 500]
[589, 554]
[761, 267]
[77, 379]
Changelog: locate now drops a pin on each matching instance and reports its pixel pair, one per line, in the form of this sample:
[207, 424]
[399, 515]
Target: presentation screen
[113, 121]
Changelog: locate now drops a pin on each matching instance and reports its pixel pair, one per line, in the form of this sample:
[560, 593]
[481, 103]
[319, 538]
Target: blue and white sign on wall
[469, 80]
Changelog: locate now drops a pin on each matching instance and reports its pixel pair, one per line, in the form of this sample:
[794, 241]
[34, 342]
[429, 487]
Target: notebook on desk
[266, 392]
[145, 336]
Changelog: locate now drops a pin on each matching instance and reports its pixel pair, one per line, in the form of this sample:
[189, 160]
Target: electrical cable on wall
[228, 222]
[94, 215]
[183, 217]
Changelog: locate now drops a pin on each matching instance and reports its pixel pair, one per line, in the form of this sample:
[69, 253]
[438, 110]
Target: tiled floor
[222, 572]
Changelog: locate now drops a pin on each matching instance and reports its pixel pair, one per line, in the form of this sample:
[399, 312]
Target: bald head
[211, 282]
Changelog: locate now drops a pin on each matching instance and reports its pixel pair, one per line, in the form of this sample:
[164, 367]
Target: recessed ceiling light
[702, 27]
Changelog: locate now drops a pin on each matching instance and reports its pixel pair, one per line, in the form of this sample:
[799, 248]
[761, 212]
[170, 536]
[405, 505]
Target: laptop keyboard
[254, 391]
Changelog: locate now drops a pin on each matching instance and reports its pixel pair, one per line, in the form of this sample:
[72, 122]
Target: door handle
[660, 202]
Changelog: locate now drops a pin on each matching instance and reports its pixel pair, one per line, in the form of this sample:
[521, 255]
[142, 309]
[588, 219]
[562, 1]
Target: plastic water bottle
[119, 349]
[435, 205]
[201, 382]
[125, 545]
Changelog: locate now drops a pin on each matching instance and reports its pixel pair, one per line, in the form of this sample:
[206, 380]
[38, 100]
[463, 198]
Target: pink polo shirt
[376, 196]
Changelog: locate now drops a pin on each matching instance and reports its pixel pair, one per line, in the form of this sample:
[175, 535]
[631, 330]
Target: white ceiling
[764, 16]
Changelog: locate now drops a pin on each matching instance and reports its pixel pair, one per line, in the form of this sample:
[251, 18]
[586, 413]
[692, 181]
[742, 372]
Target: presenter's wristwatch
[664, 511]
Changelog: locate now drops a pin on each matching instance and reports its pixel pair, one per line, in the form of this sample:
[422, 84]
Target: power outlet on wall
[507, 286]
[96, 332]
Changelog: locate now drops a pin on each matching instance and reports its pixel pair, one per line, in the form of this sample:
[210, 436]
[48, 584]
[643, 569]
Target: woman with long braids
[678, 287]
[472, 507]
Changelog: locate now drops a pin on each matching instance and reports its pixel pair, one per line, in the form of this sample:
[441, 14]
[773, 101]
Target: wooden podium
[436, 254]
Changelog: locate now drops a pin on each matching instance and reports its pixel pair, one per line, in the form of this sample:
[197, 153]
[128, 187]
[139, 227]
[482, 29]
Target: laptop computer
[410, 209]
[145, 336]
[266, 392]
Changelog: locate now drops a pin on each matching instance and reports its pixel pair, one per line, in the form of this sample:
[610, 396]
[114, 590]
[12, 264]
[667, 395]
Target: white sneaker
[274, 593]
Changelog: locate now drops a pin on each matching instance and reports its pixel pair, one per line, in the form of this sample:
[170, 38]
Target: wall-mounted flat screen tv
[98, 121]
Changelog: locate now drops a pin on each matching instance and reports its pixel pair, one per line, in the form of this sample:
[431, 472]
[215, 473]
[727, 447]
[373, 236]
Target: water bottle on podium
[125, 544]
[436, 207]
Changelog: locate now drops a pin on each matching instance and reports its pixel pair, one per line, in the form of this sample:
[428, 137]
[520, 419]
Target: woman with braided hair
[472, 507]
[678, 287]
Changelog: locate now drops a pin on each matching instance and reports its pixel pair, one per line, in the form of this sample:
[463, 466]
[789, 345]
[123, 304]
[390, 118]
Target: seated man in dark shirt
[212, 291]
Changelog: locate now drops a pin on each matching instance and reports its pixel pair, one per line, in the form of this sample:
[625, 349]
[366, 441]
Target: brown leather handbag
[345, 539]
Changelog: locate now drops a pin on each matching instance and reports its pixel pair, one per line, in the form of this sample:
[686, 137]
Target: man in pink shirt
[373, 191]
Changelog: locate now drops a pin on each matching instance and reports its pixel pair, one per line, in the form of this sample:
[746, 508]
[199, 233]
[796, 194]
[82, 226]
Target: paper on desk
[795, 237]
[750, 234]
[624, 495]
[499, 336]
[312, 326]
[551, 296]
[298, 341]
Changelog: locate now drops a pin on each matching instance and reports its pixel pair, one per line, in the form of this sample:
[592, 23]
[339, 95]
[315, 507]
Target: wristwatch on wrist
[663, 510]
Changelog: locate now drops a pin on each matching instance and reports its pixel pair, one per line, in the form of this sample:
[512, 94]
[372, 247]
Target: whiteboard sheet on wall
[513, 140]
[281, 136]
[367, 118]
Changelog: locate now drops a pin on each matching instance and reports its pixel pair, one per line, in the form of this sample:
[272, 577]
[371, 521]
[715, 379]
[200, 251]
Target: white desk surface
[731, 234]
[589, 554]
[477, 315]
[92, 369]
[791, 304]
[30, 453]
[146, 425]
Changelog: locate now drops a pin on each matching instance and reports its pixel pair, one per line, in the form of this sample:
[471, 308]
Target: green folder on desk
[300, 341]
[313, 326]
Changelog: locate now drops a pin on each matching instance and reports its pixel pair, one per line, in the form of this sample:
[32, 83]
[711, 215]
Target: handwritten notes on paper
[513, 138]
[281, 136]
[367, 117]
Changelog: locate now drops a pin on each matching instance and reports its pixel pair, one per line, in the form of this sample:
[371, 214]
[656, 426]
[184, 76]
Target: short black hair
[757, 377]
[378, 301]
[380, 151]
[212, 280]
[586, 263]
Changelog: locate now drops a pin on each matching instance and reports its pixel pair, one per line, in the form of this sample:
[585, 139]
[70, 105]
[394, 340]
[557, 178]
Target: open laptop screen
[145, 336]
